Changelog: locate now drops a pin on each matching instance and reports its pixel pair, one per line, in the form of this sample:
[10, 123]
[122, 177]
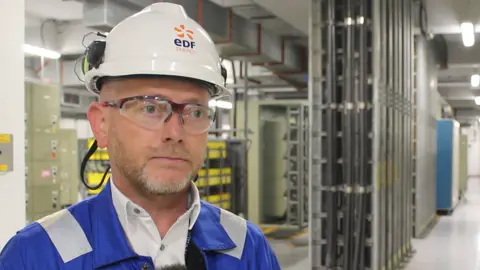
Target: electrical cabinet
[42, 173]
[463, 165]
[42, 161]
[448, 150]
[69, 166]
[42, 108]
[42, 147]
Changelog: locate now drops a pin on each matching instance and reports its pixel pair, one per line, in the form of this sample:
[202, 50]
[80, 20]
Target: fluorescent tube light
[477, 100]
[475, 80]
[33, 50]
[468, 34]
[224, 104]
[220, 104]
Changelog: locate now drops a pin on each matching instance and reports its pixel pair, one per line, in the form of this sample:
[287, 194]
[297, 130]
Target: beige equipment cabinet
[69, 165]
[42, 115]
[463, 165]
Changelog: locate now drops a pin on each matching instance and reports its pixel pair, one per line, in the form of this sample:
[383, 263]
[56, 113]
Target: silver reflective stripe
[66, 234]
[236, 228]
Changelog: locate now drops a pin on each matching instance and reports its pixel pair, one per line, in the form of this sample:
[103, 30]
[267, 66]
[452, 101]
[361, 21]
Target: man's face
[161, 160]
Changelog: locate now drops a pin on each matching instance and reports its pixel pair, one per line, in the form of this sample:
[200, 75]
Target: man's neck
[164, 209]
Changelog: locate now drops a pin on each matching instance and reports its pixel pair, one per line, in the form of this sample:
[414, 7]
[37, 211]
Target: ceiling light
[222, 104]
[33, 50]
[475, 80]
[468, 34]
[477, 100]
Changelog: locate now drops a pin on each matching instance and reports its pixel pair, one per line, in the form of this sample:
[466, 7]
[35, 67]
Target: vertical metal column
[363, 143]
[305, 165]
[389, 141]
[245, 149]
[315, 135]
[377, 134]
[403, 130]
[347, 133]
[382, 73]
[395, 130]
[411, 121]
[331, 169]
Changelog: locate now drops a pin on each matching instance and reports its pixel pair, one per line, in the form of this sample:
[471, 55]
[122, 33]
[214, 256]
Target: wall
[12, 114]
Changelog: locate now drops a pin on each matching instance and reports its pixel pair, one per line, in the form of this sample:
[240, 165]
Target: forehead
[176, 89]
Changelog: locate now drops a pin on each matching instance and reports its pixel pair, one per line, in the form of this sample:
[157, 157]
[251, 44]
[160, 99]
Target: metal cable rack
[221, 178]
[297, 165]
[361, 126]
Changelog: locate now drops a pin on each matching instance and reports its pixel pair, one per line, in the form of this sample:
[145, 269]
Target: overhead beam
[467, 113]
[450, 85]
[458, 96]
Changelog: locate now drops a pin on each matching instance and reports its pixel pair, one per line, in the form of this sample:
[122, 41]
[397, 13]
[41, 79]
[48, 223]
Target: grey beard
[159, 190]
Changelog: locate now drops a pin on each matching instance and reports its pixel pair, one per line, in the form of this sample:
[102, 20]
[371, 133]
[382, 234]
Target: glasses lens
[197, 119]
[149, 113]
[152, 113]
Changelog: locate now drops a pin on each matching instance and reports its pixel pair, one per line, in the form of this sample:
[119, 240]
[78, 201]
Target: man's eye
[197, 113]
[149, 109]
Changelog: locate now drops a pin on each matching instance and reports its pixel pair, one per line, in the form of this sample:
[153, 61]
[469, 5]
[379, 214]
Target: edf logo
[185, 39]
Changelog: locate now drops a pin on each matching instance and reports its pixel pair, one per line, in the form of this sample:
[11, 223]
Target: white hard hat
[159, 40]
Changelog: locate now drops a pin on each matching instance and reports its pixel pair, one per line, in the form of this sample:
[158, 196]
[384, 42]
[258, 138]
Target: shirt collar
[208, 233]
[125, 207]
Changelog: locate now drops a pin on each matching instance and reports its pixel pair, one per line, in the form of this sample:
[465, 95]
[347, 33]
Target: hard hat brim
[159, 67]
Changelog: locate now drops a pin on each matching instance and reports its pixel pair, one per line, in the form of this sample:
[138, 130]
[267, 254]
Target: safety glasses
[153, 112]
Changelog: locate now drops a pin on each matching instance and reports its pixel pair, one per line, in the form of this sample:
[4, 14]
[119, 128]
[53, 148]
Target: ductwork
[273, 57]
[104, 15]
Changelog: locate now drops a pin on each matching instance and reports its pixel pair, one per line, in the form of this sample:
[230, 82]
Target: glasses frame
[176, 107]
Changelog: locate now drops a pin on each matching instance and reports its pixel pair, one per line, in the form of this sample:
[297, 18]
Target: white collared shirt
[143, 235]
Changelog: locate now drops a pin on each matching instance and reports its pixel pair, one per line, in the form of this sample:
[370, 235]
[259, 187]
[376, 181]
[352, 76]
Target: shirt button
[136, 211]
[162, 247]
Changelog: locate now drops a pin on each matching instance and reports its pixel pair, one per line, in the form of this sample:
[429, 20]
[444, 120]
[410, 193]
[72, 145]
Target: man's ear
[96, 115]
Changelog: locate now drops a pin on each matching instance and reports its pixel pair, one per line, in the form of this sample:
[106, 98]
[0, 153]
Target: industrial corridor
[452, 244]
[240, 134]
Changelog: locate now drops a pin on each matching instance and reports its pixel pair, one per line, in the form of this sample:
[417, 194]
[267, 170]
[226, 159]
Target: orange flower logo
[182, 32]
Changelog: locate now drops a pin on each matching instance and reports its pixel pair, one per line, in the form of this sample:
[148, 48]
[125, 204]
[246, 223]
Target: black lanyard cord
[189, 238]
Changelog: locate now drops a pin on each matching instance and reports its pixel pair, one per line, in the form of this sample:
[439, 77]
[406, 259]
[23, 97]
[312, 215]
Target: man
[155, 74]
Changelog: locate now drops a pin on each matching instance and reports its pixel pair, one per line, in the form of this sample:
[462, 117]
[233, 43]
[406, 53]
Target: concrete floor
[454, 242]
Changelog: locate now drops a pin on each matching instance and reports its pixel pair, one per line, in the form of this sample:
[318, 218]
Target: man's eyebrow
[193, 100]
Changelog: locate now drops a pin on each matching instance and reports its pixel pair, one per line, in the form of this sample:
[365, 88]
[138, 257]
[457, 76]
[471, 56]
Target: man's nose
[173, 129]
